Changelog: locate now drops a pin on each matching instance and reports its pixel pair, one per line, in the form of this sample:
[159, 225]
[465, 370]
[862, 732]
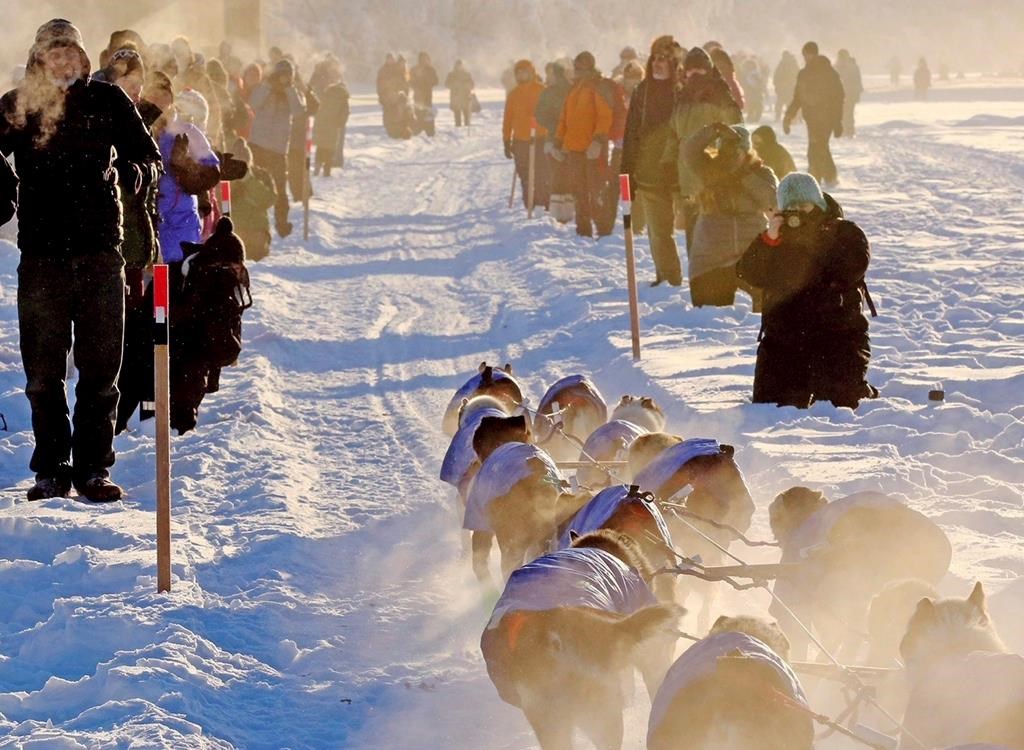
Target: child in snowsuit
[251, 198]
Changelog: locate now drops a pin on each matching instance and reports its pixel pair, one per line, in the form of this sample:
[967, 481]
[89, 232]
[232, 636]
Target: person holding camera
[810, 265]
[736, 191]
[819, 95]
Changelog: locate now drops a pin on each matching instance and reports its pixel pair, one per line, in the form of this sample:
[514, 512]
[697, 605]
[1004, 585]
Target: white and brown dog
[564, 634]
[733, 690]
[497, 382]
[964, 687]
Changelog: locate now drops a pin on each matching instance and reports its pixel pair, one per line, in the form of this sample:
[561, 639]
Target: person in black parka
[77, 144]
[819, 96]
[810, 265]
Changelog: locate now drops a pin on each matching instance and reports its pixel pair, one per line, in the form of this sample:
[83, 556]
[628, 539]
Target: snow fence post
[512, 192]
[533, 162]
[627, 223]
[162, 398]
[309, 179]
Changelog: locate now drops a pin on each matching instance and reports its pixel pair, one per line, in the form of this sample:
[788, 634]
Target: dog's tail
[646, 623]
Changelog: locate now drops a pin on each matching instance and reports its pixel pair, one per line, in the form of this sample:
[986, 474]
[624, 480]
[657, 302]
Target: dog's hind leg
[653, 659]
[549, 722]
[603, 722]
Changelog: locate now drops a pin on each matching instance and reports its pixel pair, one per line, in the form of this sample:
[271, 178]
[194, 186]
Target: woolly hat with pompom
[192, 107]
[800, 187]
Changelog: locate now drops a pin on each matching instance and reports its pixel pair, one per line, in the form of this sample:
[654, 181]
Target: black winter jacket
[8, 192]
[69, 197]
[813, 287]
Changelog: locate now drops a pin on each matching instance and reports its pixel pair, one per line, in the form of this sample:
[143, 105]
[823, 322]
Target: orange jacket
[519, 108]
[585, 116]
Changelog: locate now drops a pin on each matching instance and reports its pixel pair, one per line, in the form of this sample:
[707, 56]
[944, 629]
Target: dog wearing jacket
[497, 382]
[964, 687]
[564, 634]
[581, 410]
[733, 690]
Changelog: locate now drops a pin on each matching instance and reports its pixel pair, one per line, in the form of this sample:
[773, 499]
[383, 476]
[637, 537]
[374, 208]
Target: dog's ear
[977, 598]
[727, 450]
[573, 536]
[721, 624]
[625, 400]
[925, 609]
[482, 367]
[648, 403]
[508, 368]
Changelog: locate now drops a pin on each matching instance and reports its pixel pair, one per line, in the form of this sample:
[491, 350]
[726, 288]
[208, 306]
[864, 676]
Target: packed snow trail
[321, 598]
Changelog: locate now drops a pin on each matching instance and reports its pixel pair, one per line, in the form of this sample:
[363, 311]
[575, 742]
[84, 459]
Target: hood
[527, 66]
[57, 32]
[767, 134]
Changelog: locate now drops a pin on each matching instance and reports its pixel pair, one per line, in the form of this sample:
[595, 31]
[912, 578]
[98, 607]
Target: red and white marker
[225, 198]
[627, 197]
[627, 223]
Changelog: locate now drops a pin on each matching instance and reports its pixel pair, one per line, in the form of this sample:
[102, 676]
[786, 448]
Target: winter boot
[98, 488]
[47, 487]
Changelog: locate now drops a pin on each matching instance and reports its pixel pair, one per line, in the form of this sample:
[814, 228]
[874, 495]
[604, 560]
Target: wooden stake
[162, 399]
[533, 162]
[309, 180]
[634, 306]
[512, 192]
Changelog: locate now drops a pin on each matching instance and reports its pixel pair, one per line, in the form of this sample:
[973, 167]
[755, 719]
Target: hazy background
[967, 35]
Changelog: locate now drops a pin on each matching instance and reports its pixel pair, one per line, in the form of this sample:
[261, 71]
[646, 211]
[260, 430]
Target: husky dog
[461, 461]
[471, 406]
[581, 410]
[718, 494]
[641, 411]
[847, 550]
[733, 690]
[609, 442]
[513, 500]
[964, 687]
[564, 634]
[491, 381]
[888, 614]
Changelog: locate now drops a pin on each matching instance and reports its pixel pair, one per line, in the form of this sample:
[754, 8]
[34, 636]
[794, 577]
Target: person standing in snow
[423, 79]
[582, 139]
[520, 111]
[736, 191]
[276, 103]
[548, 112]
[772, 153]
[853, 88]
[819, 95]
[810, 265]
[460, 92]
[784, 81]
[922, 80]
[329, 128]
[648, 130]
[76, 144]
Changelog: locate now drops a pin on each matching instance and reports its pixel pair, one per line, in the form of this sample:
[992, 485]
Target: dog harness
[609, 442]
[508, 465]
[570, 392]
[701, 660]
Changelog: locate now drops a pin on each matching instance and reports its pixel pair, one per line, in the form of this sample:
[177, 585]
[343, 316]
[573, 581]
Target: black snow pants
[60, 298]
[799, 372]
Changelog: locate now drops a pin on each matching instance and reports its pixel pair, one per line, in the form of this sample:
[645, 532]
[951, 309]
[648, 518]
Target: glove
[558, 154]
[508, 149]
[594, 149]
[549, 148]
[179, 150]
[785, 127]
[838, 130]
[232, 168]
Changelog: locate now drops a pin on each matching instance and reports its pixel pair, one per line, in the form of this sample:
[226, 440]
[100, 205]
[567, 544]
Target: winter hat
[766, 134]
[633, 69]
[130, 62]
[628, 53]
[284, 67]
[797, 188]
[584, 62]
[192, 106]
[524, 65]
[57, 32]
[666, 45]
[224, 244]
[698, 59]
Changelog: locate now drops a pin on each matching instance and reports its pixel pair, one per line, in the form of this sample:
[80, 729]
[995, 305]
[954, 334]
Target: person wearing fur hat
[737, 190]
[276, 103]
[648, 130]
[582, 140]
[703, 99]
[519, 118]
[810, 265]
[63, 129]
[819, 95]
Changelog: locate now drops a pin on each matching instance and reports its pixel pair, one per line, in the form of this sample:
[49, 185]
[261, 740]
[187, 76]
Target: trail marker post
[309, 179]
[532, 170]
[225, 198]
[162, 399]
[627, 223]
[512, 191]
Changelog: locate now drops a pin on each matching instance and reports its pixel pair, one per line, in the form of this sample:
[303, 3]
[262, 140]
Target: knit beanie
[57, 32]
[797, 188]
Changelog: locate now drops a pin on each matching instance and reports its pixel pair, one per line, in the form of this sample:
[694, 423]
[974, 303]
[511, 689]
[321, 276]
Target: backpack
[215, 294]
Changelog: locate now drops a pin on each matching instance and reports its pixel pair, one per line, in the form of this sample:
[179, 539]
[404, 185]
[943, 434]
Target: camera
[793, 218]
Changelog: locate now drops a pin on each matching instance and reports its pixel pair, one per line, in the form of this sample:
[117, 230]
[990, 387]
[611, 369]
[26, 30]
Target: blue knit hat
[800, 187]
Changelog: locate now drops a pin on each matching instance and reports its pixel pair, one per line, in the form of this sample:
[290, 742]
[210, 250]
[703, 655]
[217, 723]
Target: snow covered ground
[320, 595]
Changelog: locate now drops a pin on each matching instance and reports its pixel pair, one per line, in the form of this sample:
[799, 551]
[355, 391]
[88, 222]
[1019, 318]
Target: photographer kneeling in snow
[810, 264]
